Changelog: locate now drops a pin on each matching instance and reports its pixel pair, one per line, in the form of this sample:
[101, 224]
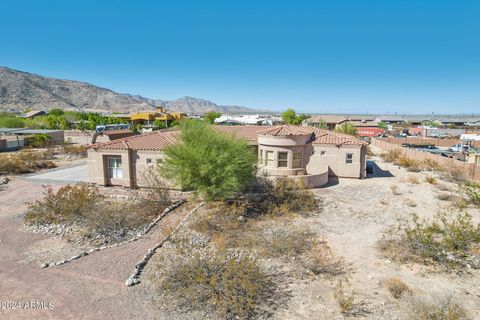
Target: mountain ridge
[20, 90]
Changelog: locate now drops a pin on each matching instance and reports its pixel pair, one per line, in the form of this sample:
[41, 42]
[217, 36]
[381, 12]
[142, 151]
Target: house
[330, 121]
[366, 127]
[248, 119]
[301, 153]
[390, 119]
[56, 135]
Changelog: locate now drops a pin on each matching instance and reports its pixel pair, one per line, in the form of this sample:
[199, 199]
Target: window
[349, 158]
[115, 169]
[322, 153]
[149, 161]
[269, 158]
[260, 157]
[297, 160]
[283, 159]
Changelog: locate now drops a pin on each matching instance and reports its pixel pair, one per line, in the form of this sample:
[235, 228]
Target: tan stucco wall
[335, 159]
[97, 167]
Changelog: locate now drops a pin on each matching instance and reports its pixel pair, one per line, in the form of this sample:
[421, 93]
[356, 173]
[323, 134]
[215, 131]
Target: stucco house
[299, 152]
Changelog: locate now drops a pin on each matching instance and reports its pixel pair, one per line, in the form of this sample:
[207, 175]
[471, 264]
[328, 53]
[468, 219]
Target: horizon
[335, 57]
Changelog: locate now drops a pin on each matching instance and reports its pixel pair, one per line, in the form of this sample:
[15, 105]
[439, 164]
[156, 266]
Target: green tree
[11, 122]
[291, 117]
[56, 112]
[211, 116]
[214, 164]
[383, 125]
[347, 128]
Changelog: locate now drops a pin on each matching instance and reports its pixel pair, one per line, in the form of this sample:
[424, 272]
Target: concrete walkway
[63, 175]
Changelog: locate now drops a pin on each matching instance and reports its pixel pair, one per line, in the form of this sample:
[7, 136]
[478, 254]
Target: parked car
[460, 148]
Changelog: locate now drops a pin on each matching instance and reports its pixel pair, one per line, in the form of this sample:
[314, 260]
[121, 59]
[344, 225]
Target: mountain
[21, 90]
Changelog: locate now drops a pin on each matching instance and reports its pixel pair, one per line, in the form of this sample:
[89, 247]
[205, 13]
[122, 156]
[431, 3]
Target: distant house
[56, 135]
[33, 114]
[302, 153]
[390, 119]
[366, 127]
[329, 120]
[249, 119]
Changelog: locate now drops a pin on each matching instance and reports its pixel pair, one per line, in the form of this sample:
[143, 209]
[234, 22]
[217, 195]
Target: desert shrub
[346, 302]
[471, 192]
[232, 284]
[284, 196]
[396, 287]
[430, 165]
[407, 162]
[455, 173]
[286, 240]
[320, 260]
[82, 207]
[25, 161]
[39, 140]
[413, 180]
[75, 150]
[395, 190]
[392, 155]
[214, 164]
[450, 240]
[431, 180]
[435, 308]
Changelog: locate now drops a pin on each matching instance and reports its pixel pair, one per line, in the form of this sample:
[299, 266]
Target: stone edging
[175, 205]
[135, 277]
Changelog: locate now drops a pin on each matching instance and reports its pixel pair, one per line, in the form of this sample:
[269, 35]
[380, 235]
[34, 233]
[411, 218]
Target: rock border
[170, 208]
[135, 277]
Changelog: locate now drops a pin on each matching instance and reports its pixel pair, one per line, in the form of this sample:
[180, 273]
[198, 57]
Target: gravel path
[92, 287]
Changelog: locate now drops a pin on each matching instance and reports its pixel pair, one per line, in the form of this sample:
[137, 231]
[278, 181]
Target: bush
[320, 260]
[450, 240]
[345, 301]
[75, 150]
[455, 173]
[471, 192]
[234, 285]
[214, 164]
[396, 287]
[82, 207]
[39, 140]
[431, 180]
[25, 161]
[436, 309]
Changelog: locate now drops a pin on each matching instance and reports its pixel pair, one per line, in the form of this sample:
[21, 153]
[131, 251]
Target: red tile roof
[158, 140]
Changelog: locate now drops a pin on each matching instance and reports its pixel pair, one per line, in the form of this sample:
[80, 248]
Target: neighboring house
[329, 120]
[303, 153]
[390, 119]
[56, 135]
[33, 114]
[249, 119]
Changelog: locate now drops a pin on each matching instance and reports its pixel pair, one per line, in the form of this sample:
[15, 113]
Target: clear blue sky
[405, 56]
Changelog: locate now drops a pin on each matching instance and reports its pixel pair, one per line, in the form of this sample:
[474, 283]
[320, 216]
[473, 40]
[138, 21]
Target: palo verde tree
[213, 164]
[347, 128]
[291, 117]
[211, 116]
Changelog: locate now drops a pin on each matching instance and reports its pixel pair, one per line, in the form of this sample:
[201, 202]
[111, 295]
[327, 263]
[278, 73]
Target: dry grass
[233, 285]
[345, 301]
[445, 197]
[75, 150]
[430, 165]
[396, 287]
[430, 180]
[25, 161]
[435, 308]
[413, 180]
[449, 240]
[90, 214]
[471, 193]
[395, 190]
[455, 173]
[320, 260]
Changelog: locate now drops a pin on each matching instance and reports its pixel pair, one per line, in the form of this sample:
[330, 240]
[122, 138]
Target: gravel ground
[354, 216]
[92, 287]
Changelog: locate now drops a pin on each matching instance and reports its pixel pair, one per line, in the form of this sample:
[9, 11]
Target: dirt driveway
[90, 288]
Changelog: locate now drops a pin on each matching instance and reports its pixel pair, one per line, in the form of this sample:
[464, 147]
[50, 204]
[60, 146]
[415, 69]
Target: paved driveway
[63, 175]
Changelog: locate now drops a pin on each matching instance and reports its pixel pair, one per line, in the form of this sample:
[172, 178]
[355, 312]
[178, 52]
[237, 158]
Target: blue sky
[404, 56]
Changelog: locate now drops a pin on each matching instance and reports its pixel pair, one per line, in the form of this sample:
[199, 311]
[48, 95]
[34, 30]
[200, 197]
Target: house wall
[335, 158]
[97, 167]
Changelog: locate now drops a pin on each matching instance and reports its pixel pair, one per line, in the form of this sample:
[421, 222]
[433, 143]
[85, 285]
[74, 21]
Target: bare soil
[354, 215]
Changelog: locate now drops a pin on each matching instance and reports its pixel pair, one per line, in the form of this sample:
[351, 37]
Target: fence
[435, 141]
[472, 169]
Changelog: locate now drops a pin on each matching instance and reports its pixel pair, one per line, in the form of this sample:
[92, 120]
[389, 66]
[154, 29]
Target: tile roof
[327, 118]
[160, 139]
